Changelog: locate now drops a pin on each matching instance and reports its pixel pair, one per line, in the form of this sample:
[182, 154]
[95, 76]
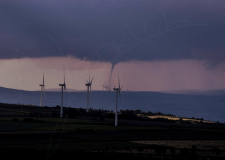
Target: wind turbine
[63, 88]
[42, 89]
[117, 91]
[88, 84]
[103, 87]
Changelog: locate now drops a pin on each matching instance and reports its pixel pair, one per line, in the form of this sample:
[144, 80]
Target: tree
[185, 153]
[163, 150]
[127, 148]
[107, 148]
[72, 113]
[157, 150]
[172, 151]
[140, 149]
[114, 147]
[194, 149]
[216, 150]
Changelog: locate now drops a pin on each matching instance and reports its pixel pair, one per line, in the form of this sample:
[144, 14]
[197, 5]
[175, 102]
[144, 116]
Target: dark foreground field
[31, 131]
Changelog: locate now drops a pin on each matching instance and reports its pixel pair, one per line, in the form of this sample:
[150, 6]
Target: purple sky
[155, 45]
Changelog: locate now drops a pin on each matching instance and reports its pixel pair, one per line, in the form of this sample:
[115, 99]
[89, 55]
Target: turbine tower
[88, 84]
[117, 91]
[42, 89]
[63, 88]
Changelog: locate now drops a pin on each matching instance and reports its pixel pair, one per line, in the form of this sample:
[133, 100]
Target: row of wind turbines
[88, 84]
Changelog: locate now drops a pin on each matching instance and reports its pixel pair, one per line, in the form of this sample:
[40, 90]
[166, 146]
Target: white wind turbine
[117, 91]
[42, 89]
[104, 87]
[88, 84]
[63, 88]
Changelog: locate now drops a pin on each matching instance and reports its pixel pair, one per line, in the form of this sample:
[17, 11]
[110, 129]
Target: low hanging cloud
[27, 74]
[113, 31]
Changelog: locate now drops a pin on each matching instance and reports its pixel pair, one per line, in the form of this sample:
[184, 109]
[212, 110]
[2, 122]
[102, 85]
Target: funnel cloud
[113, 31]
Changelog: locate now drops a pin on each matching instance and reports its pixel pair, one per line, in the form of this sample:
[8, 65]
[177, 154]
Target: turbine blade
[120, 97]
[44, 92]
[65, 88]
[92, 79]
[90, 91]
[119, 80]
[64, 78]
[89, 76]
[43, 79]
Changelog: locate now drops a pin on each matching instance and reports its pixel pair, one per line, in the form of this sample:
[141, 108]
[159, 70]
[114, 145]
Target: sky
[152, 45]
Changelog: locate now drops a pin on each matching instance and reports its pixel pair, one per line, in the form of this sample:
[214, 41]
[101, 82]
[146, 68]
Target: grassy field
[204, 148]
[53, 120]
[200, 144]
[90, 133]
[83, 146]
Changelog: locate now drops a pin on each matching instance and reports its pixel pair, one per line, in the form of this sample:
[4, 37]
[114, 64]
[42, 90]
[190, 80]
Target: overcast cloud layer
[113, 30]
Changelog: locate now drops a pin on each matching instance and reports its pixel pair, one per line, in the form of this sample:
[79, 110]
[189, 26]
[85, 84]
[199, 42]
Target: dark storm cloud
[113, 31]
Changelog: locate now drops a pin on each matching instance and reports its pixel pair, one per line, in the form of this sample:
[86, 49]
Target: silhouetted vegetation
[216, 150]
[63, 154]
[161, 150]
[15, 119]
[99, 114]
[140, 149]
[73, 113]
[32, 120]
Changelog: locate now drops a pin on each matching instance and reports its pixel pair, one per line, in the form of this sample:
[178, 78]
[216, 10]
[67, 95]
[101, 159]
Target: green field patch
[81, 146]
[54, 120]
[84, 127]
[15, 126]
[68, 120]
[200, 144]
[8, 113]
[207, 130]
[12, 110]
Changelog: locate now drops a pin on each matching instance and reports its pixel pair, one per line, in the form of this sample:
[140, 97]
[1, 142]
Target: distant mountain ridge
[197, 92]
[183, 92]
[11, 89]
[60, 89]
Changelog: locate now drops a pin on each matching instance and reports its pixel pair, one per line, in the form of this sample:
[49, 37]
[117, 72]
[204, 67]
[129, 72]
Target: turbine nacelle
[88, 84]
[63, 86]
[116, 89]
